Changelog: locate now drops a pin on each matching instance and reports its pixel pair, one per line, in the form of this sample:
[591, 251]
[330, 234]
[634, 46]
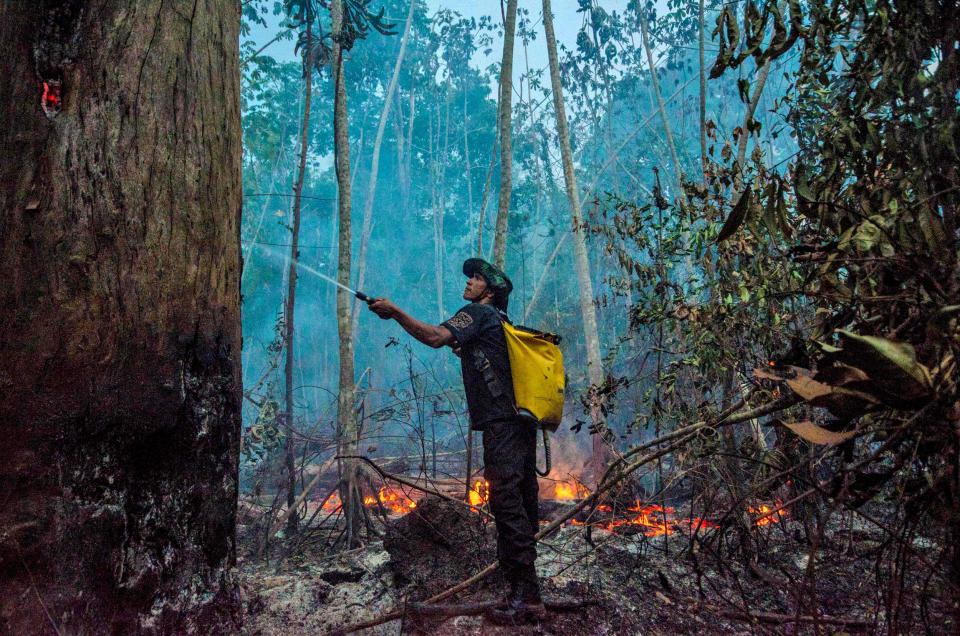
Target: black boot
[523, 605]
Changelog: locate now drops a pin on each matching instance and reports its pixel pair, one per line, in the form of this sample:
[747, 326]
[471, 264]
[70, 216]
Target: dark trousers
[509, 458]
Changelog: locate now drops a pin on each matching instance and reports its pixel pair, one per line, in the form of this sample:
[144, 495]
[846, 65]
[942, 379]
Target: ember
[654, 520]
[767, 515]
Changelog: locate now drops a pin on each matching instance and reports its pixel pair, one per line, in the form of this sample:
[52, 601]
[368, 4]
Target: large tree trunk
[506, 145]
[582, 264]
[120, 306]
[347, 417]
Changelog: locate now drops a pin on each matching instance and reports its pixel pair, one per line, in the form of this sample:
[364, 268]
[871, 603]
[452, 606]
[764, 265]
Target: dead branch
[769, 617]
[413, 484]
[296, 504]
[459, 609]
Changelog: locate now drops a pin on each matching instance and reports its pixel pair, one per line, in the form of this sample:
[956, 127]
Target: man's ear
[489, 293]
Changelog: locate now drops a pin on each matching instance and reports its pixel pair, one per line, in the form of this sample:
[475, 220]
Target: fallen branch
[473, 609]
[412, 484]
[768, 617]
[461, 609]
[296, 504]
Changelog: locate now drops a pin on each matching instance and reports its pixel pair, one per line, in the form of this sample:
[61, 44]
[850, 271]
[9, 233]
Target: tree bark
[347, 427]
[591, 336]
[506, 144]
[120, 306]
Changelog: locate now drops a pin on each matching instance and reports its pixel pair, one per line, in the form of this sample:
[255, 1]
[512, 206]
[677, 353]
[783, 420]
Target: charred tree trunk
[120, 305]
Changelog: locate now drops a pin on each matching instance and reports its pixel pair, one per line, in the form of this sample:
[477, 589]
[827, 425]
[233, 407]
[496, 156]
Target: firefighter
[509, 443]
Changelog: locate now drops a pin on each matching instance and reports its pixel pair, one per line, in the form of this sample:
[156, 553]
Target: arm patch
[461, 320]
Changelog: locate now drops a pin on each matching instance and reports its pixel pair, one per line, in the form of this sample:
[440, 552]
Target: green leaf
[737, 216]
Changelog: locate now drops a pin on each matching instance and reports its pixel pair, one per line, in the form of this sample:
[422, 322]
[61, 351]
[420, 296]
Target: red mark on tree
[51, 102]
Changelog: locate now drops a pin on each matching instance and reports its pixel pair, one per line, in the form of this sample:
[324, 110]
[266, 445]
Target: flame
[480, 492]
[655, 520]
[369, 500]
[332, 504]
[569, 490]
[396, 500]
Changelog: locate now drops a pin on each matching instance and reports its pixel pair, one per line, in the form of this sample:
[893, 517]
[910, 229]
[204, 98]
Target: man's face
[476, 288]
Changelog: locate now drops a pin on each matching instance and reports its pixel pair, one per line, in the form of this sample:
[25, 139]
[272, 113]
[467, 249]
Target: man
[509, 443]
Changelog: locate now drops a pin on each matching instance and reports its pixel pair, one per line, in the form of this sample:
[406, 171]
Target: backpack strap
[546, 454]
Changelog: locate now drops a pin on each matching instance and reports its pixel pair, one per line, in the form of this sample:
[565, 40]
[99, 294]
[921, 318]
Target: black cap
[496, 280]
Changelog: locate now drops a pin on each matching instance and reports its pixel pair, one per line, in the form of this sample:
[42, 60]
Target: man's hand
[383, 308]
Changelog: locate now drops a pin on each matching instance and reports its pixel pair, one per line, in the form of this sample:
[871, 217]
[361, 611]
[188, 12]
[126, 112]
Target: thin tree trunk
[677, 170]
[748, 116]
[405, 184]
[506, 144]
[120, 306]
[466, 152]
[486, 185]
[375, 164]
[595, 371]
[703, 99]
[347, 424]
[543, 276]
[439, 210]
[292, 291]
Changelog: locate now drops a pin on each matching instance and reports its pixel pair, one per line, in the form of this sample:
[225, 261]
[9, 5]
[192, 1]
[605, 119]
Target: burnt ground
[639, 585]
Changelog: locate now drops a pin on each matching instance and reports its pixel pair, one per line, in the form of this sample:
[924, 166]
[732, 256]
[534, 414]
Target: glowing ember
[480, 492]
[654, 520]
[767, 515]
[369, 501]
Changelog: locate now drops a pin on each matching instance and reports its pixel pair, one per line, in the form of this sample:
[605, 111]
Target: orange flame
[480, 492]
[332, 504]
[569, 490]
[655, 520]
[393, 498]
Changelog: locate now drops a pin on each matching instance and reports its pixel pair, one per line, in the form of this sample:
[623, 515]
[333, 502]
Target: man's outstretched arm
[434, 336]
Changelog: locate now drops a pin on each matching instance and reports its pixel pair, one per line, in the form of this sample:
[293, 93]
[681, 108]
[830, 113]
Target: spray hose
[546, 453]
